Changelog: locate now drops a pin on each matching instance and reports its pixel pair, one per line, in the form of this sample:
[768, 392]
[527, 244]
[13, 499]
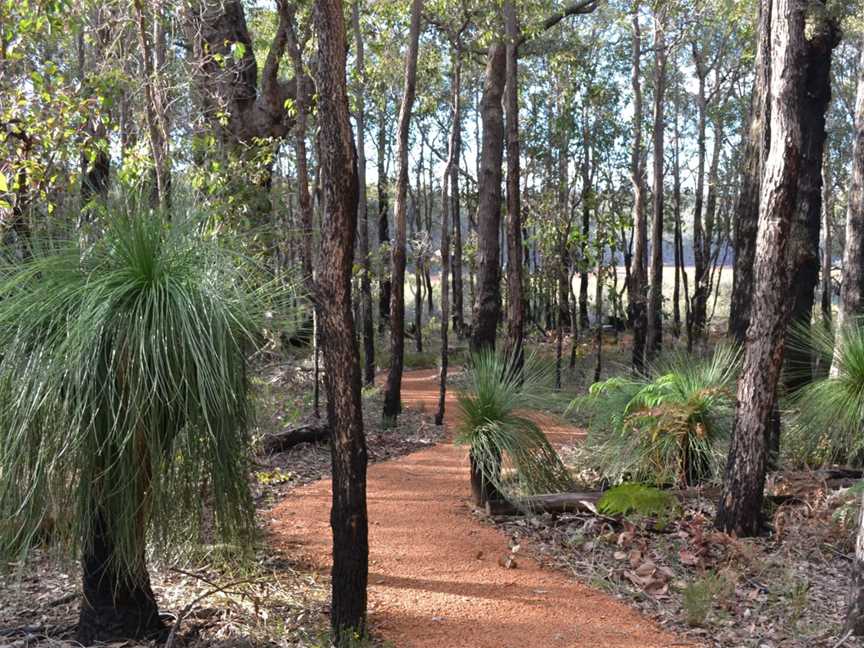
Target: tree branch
[576, 8]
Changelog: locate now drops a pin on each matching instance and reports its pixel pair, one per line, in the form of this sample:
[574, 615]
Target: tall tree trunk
[368, 327]
[637, 292]
[827, 246]
[586, 219]
[804, 259]
[700, 254]
[654, 339]
[458, 284]
[515, 305]
[384, 282]
[676, 202]
[487, 304]
[452, 162]
[740, 506]
[757, 144]
[851, 306]
[348, 518]
[155, 113]
[393, 392]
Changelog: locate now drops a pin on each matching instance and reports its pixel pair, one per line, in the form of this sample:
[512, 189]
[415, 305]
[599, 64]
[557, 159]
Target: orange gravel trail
[434, 577]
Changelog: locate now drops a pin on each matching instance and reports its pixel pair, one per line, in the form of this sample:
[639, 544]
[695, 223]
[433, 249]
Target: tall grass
[828, 412]
[124, 391]
[510, 450]
[670, 427]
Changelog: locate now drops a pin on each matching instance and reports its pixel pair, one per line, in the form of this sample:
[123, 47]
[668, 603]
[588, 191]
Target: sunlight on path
[434, 577]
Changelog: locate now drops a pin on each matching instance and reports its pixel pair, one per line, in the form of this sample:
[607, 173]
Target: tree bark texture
[348, 518]
[487, 305]
[740, 507]
[393, 390]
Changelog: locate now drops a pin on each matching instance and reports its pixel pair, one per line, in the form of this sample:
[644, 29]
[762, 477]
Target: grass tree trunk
[348, 518]
[638, 290]
[393, 390]
[654, 338]
[515, 302]
[367, 326]
[740, 506]
[757, 144]
[114, 605]
[487, 304]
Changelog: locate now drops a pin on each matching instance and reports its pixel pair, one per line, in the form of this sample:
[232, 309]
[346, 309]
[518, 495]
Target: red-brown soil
[434, 575]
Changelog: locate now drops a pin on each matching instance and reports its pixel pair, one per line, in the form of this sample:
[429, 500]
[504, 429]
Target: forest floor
[439, 577]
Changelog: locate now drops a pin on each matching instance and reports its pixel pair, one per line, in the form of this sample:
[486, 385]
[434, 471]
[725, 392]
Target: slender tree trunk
[700, 260]
[155, 113]
[458, 284]
[757, 144]
[368, 326]
[827, 251]
[638, 290]
[487, 305]
[598, 310]
[679, 247]
[740, 506]
[338, 164]
[515, 305]
[586, 219]
[654, 339]
[393, 392]
[384, 283]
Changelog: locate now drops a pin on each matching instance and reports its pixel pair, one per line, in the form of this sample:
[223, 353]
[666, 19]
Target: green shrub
[827, 413]
[671, 427]
[639, 499]
[511, 452]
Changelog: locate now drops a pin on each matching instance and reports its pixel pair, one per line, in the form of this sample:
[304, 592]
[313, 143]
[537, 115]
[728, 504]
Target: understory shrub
[827, 413]
[668, 428]
[509, 450]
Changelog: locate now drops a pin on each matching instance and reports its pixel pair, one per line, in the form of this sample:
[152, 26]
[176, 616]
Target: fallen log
[314, 432]
[578, 502]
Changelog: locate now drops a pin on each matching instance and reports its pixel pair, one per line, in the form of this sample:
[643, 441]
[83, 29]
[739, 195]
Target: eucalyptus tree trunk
[458, 283]
[487, 305]
[827, 287]
[515, 305]
[155, 111]
[700, 250]
[452, 162]
[393, 391]
[637, 292]
[348, 518]
[804, 258]
[740, 508]
[367, 326]
[384, 283]
[852, 283]
[679, 248]
[586, 219]
[757, 144]
[851, 304]
[654, 339]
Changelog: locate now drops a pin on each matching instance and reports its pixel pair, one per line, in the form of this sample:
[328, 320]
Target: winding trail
[434, 577]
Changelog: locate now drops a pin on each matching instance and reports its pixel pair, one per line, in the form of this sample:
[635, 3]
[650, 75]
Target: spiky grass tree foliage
[670, 427]
[827, 423]
[510, 455]
[124, 405]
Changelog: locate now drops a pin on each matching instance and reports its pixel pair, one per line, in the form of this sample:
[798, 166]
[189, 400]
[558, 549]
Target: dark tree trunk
[393, 391]
[586, 220]
[338, 164]
[747, 211]
[679, 247]
[515, 305]
[368, 327]
[654, 339]
[384, 283]
[638, 289]
[804, 244]
[827, 246]
[114, 606]
[700, 253]
[458, 292]
[740, 508]
[487, 305]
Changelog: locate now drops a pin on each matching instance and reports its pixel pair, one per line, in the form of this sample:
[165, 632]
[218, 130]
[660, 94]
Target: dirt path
[434, 579]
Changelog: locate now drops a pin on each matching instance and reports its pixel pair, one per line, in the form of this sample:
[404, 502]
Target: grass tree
[124, 398]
